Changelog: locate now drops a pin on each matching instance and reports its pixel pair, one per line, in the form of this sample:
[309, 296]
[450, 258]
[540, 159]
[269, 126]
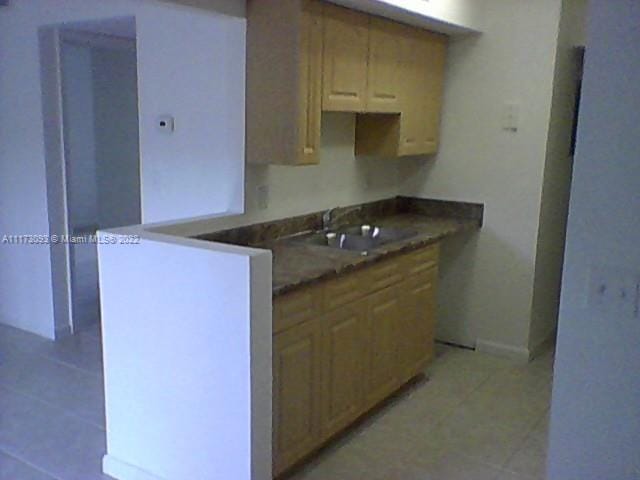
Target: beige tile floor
[477, 417]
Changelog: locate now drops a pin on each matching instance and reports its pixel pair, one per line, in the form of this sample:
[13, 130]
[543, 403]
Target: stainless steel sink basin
[381, 234]
[359, 239]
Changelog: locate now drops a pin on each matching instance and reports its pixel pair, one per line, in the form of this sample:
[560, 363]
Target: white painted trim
[51, 41]
[97, 40]
[60, 255]
[519, 354]
[124, 471]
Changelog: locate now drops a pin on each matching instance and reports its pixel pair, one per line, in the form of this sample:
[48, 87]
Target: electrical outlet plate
[262, 197]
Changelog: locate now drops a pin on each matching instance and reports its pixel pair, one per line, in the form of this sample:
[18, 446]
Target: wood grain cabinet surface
[385, 72]
[384, 329]
[421, 77]
[343, 366]
[346, 50]
[296, 393]
[306, 56]
[342, 346]
[284, 81]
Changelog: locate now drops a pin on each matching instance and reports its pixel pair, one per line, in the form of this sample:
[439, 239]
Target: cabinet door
[384, 322]
[412, 67]
[417, 340]
[310, 82]
[296, 393]
[346, 48]
[432, 52]
[343, 357]
[385, 66]
[424, 55]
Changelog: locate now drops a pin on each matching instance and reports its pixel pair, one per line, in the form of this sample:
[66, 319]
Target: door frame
[51, 39]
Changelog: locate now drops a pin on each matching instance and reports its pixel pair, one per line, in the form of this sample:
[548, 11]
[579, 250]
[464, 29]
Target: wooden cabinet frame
[305, 56]
[349, 342]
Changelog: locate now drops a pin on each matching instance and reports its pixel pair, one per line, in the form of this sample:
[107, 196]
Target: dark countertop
[296, 264]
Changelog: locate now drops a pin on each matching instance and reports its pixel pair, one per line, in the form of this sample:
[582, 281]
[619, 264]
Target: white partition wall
[595, 412]
[186, 332]
[190, 66]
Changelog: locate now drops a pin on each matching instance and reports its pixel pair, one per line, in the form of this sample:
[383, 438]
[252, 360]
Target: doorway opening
[93, 170]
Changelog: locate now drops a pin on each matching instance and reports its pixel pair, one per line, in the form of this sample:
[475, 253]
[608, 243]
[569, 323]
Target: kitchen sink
[360, 238]
[380, 234]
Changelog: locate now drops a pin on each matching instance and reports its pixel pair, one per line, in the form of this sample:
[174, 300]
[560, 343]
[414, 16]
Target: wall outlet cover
[262, 197]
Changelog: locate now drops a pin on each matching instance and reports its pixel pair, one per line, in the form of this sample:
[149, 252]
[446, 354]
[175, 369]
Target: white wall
[557, 177]
[595, 413]
[487, 280]
[339, 179]
[197, 75]
[25, 276]
[187, 370]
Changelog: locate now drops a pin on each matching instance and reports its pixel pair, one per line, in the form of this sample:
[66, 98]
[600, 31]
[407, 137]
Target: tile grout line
[62, 410]
[70, 365]
[29, 464]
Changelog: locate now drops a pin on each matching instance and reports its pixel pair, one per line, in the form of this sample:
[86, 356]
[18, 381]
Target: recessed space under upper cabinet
[309, 56]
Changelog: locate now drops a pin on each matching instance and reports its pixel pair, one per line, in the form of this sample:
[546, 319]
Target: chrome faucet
[326, 219]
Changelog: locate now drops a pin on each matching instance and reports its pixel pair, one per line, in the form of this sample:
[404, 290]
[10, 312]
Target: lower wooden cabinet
[344, 348]
[296, 393]
[335, 356]
[418, 301]
[384, 329]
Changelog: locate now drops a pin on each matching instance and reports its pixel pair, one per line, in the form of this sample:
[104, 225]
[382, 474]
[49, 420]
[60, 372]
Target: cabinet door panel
[310, 82]
[384, 321]
[432, 53]
[424, 55]
[343, 340]
[417, 341]
[296, 393]
[346, 48]
[412, 93]
[385, 66]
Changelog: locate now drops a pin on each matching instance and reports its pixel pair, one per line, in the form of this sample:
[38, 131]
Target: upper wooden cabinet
[416, 130]
[384, 73]
[284, 81]
[346, 49]
[305, 56]
[362, 59]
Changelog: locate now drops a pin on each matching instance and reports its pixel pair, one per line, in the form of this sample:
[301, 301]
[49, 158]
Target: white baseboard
[124, 471]
[519, 354]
